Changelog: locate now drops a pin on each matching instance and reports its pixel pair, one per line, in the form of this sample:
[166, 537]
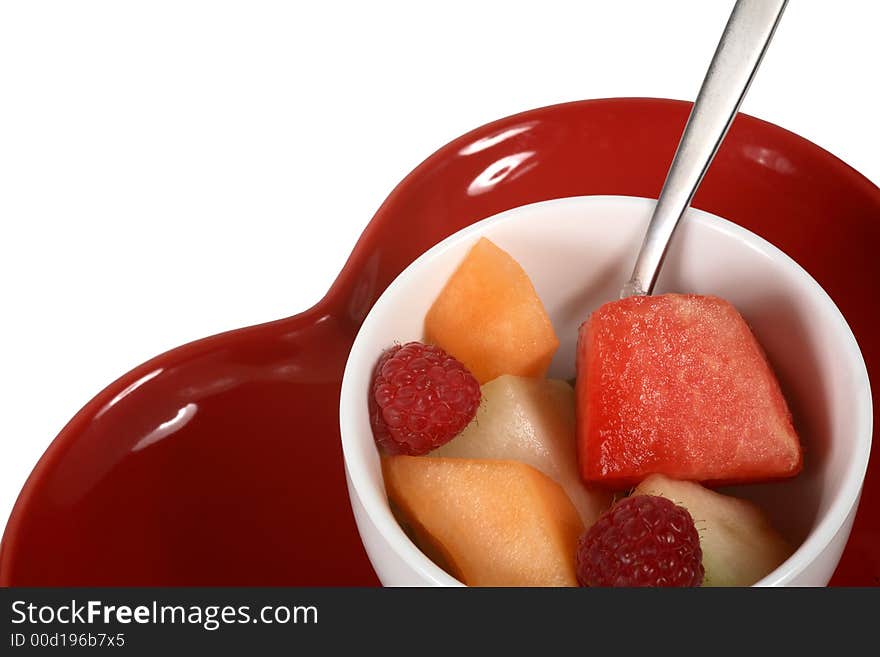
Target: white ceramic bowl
[578, 252]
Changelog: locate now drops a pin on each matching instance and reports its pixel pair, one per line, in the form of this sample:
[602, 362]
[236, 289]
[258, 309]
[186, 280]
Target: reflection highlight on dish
[510, 166]
[183, 416]
[128, 390]
[494, 140]
[770, 158]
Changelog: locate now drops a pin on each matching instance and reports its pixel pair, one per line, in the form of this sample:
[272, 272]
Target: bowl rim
[374, 502]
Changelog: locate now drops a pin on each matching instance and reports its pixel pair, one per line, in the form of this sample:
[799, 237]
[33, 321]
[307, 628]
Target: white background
[159, 161]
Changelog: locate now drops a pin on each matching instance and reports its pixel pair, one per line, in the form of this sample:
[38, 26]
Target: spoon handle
[743, 44]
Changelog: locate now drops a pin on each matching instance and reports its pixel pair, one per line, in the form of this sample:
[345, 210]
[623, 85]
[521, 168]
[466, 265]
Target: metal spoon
[743, 44]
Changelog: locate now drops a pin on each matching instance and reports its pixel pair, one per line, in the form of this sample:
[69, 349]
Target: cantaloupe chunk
[492, 522]
[490, 318]
[531, 421]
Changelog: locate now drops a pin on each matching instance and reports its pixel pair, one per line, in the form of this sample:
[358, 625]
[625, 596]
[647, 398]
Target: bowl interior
[578, 251]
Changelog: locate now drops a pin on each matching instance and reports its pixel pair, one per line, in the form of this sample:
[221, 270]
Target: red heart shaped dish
[219, 462]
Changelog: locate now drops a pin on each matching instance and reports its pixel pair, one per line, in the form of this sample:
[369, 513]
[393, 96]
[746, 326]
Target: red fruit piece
[677, 384]
[641, 541]
[421, 398]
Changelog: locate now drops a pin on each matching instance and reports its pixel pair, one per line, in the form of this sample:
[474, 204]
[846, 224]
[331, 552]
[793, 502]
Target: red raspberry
[644, 540]
[421, 399]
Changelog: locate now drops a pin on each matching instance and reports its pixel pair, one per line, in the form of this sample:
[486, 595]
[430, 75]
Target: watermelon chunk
[677, 384]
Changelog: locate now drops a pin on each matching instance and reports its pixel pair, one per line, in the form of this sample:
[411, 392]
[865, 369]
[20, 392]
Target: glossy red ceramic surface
[219, 463]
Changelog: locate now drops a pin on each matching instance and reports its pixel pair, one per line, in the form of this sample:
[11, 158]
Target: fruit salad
[504, 477]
